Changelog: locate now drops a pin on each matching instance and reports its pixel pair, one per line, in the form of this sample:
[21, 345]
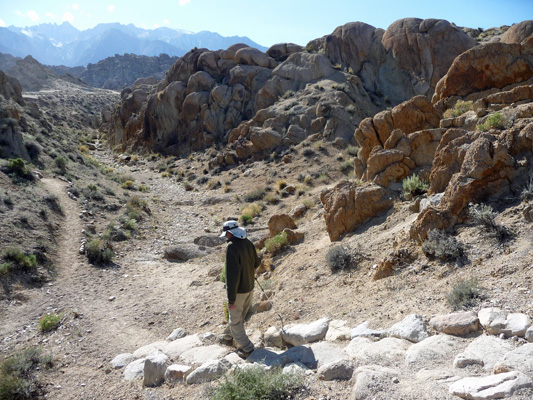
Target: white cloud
[68, 17]
[166, 21]
[50, 15]
[33, 16]
[111, 8]
[75, 6]
[20, 14]
[156, 26]
[2, 23]
[184, 2]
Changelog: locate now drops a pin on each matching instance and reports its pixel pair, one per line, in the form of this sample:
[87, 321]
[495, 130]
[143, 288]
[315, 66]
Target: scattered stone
[298, 334]
[122, 360]
[277, 223]
[273, 337]
[371, 380]
[327, 353]
[496, 321]
[134, 369]
[208, 371]
[431, 349]
[529, 334]
[356, 345]
[362, 330]
[484, 351]
[181, 253]
[177, 373]
[154, 369]
[490, 387]
[339, 370]
[520, 359]
[388, 351]
[338, 330]
[177, 334]
[411, 328]
[202, 354]
[457, 324]
[144, 351]
[178, 346]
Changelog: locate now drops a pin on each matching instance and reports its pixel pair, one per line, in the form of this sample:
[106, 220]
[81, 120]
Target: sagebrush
[442, 246]
[258, 383]
[413, 186]
[339, 258]
[464, 294]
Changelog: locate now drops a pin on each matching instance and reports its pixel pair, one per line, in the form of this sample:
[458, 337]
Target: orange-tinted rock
[347, 206]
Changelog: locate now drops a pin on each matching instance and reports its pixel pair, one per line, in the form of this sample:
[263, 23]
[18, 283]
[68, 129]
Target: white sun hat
[234, 229]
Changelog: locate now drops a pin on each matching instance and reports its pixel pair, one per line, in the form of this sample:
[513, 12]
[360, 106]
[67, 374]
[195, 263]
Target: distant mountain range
[53, 44]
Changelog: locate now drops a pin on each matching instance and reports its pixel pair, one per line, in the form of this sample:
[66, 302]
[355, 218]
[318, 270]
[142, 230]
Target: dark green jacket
[241, 262]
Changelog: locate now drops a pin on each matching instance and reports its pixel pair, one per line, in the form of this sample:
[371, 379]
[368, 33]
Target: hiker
[241, 262]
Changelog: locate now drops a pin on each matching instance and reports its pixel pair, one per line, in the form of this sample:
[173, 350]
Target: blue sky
[266, 22]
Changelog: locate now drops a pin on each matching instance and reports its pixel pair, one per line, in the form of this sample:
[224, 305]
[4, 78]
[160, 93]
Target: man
[241, 262]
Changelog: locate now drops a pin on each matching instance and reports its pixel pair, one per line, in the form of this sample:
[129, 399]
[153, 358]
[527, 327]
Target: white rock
[362, 330]
[177, 334]
[388, 351]
[299, 334]
[144, 351]
[496, 321]
[267, 356]
[338, 330]
[155, 366]
[202, 354]
[273, 337]
[490, 387]
[122, 360]
[295, 369]
[341, 370]
[356, 345]
[431, 349]
[178, 346]
[412, 328]
[457, 324]
[327, 353]
[176, 373]
[484, 351]
[298, 354]
[134, 370]
[520, 359]
[208, 371]
[529, 334]
[370, 380]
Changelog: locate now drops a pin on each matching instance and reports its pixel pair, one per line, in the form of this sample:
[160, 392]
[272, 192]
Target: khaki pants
[235, 326]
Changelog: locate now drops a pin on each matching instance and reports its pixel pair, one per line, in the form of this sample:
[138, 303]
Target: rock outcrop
[347, 206]
[257, 102]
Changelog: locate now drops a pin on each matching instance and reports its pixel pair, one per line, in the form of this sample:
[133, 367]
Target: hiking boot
[226, 341]
[243, 353]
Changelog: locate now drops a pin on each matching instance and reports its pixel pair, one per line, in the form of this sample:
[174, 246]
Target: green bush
[257, 383]
[414, 186]
[17, 380]
[49, 322]
[277, 243]
[339, 258]
[442, 246]
[352, 150]
[61, 164]
[494, 121]
[98, 253]
[254, 195]
[347, 165]
[459, 109]
[464, 294]
[19, 168]
[483, 215]
[17, 260]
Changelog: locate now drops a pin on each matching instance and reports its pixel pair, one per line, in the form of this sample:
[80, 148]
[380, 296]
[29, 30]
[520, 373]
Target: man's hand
[231, 306]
